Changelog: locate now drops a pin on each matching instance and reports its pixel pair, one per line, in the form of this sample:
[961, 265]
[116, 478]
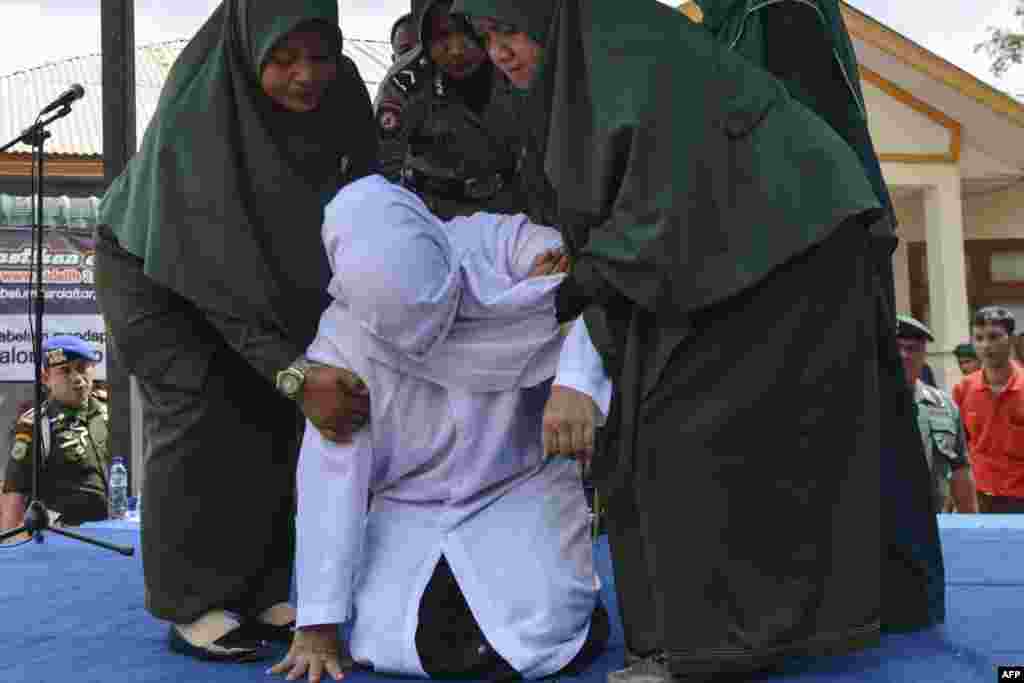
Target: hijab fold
[224, 200]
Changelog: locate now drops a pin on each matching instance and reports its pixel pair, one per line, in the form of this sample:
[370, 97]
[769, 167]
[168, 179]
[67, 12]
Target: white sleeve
[333, 482]
[509, 243]
[530, 241]
[580, 367]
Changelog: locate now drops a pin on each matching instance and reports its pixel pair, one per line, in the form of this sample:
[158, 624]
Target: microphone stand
[37, 518]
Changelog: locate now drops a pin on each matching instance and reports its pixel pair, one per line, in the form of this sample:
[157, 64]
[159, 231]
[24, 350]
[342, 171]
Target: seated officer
[74, 441]
[938, 417]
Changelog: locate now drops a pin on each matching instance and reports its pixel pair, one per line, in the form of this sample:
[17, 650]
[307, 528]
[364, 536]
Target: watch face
[289, 384]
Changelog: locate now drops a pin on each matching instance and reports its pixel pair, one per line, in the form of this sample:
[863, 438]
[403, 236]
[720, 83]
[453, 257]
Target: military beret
[965, 351]
[63, 348]
[912, 328]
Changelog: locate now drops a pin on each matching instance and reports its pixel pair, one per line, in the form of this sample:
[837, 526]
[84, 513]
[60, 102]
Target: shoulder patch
[389, 119]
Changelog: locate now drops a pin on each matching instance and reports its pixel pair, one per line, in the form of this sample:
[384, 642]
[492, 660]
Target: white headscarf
[444, 302]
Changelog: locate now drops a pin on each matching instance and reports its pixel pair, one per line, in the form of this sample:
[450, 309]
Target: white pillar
[901, 277]
[947, 281]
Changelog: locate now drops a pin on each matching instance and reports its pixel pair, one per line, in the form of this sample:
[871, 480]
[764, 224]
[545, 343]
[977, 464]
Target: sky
[36, 32]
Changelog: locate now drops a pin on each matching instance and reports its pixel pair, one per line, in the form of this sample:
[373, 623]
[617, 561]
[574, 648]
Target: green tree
[1005, 47]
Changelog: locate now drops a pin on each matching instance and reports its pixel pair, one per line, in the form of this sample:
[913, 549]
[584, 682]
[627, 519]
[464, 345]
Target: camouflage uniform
[74, 475]
[938, 418]
[945, 445]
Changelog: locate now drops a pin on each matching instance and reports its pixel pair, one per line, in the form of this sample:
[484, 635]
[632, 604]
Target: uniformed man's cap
[912, 328]
[965, 351]
[65, 348]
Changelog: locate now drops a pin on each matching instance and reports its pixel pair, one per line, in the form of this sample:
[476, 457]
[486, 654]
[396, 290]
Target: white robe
[453, 471]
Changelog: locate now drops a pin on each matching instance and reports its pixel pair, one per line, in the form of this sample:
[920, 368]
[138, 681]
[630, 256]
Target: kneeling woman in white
[458, 347]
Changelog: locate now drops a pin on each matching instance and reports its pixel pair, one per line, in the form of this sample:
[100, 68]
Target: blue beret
[66, 347]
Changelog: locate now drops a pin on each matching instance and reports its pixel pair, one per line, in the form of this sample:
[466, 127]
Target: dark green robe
[212, 276]
[805, 44]
[720, 235]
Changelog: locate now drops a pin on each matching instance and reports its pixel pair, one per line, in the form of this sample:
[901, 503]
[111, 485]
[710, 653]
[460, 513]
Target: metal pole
[117, 24]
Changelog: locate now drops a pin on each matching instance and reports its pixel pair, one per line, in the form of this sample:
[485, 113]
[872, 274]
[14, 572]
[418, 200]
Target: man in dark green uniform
[449, 122]
[75, 445]
[938, 418]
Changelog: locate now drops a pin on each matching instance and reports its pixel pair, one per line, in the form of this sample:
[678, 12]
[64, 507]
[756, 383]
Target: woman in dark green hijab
[212, 277]
[804, 43]
[723, 262]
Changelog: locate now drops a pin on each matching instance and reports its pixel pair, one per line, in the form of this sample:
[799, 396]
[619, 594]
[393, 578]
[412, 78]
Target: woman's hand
[570, 421]
[315, 650]
[336, 401]
[551, 262]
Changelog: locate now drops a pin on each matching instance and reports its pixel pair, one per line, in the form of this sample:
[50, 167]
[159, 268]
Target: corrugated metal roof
[23, 94]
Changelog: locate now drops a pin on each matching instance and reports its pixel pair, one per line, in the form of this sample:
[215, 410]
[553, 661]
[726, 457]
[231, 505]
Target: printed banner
[69, 297]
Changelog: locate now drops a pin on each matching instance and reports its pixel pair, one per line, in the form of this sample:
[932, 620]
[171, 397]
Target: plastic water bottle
[118, 489]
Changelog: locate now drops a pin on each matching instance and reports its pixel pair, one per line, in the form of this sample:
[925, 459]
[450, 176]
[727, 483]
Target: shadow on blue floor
[73, 612]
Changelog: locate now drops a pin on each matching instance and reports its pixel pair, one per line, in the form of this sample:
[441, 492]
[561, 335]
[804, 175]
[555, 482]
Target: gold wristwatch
[290, 380]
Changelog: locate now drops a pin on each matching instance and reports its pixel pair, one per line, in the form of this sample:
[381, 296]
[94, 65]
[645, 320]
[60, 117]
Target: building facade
[952, 152]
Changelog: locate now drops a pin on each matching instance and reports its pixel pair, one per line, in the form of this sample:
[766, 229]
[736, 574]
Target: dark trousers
[220, 452]
[451, 644]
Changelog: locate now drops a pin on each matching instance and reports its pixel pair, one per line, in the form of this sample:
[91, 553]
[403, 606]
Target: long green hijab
[805, 44]
[684, 173]
[684, 176]
[224, 200]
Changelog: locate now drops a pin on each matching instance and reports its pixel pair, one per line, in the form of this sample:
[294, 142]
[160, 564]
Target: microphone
[75, 92]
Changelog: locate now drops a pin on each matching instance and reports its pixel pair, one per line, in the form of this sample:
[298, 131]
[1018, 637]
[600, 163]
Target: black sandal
[262, 631]
[234, 646]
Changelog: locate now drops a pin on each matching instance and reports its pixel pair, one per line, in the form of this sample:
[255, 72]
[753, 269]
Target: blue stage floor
[72, 612]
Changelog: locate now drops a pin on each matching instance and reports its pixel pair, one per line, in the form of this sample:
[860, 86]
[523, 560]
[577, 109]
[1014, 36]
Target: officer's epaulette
[410, 72]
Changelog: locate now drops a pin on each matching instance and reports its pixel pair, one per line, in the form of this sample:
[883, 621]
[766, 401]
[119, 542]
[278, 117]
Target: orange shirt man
[991, 403]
